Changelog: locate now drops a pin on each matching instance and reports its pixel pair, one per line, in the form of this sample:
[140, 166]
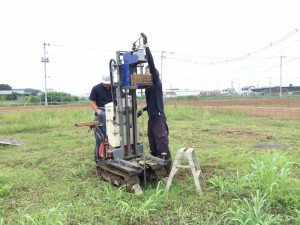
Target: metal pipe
[127, 124]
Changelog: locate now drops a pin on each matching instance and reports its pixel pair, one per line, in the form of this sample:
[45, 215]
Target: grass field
[251, 167]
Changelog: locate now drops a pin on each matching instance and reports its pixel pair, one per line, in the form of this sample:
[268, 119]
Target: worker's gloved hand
[139, 113]
[134, 48]
[145, 41]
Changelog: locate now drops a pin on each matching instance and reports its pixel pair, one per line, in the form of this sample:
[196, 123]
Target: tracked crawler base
[131, 178]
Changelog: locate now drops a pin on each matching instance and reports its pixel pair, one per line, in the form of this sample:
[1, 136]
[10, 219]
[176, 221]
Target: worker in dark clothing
[158, 131]
[101, 94]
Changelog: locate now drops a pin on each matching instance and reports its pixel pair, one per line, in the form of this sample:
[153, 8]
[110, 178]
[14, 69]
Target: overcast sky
[208, 45]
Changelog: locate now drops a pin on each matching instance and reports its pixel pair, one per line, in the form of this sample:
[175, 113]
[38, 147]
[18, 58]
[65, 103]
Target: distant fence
[50, 103]
[271, 112]
[275, 102]
[283, 108]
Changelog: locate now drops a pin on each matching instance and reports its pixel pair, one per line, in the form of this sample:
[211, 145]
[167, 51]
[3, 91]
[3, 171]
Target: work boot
[168, 167]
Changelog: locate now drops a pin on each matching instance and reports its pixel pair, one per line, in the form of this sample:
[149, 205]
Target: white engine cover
[113, 130]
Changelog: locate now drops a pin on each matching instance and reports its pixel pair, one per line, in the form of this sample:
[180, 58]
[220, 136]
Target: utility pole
[280, 88]
[162, 57]
[270, 85]
[45, 60]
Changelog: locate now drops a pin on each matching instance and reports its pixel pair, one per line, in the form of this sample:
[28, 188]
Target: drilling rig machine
[124, 159]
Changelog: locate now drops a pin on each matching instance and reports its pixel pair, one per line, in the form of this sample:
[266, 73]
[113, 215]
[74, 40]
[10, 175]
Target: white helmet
[106, 79]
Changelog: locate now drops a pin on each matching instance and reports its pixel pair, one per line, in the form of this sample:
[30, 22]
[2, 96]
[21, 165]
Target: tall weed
[256, 210]
[274, 176]
[140, 210]
[276, 190]
[54, 215]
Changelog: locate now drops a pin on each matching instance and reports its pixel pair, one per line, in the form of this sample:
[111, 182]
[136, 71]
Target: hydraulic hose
[111, 62]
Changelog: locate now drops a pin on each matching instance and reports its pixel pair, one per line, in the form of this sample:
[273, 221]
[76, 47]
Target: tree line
[36, 96]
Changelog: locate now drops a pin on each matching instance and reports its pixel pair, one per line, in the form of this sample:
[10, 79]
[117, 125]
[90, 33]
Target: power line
[265, 59]
[261, 49]
[84, 48]
[288, 35]
[244, 56]
[191, 77]
[256, 73]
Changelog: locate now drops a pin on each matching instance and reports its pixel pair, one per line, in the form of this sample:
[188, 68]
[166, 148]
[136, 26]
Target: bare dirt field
[272, 108]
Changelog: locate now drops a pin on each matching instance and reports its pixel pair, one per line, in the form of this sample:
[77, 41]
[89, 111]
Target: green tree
[4, 87]
[56, 98]
[11, 97]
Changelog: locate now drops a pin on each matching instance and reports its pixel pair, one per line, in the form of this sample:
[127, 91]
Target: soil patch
[272, 145]
[237, 132]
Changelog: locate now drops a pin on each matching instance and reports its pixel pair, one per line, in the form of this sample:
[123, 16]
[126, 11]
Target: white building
[175, 92]
[10, 92]
[228, 91]
[247, 90]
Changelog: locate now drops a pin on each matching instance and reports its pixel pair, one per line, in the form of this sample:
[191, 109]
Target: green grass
[51, 179]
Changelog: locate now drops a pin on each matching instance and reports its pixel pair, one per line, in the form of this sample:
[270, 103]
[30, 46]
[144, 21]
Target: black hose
[111, 85]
